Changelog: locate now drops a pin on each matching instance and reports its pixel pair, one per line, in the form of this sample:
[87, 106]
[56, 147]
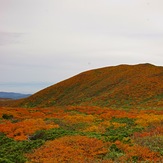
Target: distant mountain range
[12, 95]
[117, 86]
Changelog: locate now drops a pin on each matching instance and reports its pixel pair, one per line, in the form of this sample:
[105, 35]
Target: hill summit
[116, 86]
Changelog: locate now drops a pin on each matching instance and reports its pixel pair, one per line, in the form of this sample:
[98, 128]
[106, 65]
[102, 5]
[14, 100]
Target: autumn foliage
[116, 86]
[82, 134]
[21, 130]
[106, 115]
[70, 149]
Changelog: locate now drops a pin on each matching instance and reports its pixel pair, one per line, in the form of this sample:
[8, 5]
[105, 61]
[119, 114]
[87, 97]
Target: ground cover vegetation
[117, 86]
[80, 134]
[108, 115]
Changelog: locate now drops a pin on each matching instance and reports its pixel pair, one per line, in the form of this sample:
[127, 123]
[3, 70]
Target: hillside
[88, 133]
[116, 86]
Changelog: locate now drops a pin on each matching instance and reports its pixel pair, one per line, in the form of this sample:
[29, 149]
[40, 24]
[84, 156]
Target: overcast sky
[45, 41]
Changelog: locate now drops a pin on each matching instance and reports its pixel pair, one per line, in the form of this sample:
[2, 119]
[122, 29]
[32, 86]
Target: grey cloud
[146, 35]
[10, 38]
[62, 38]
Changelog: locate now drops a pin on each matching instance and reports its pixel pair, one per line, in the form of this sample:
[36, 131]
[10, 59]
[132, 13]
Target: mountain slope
[117, 86]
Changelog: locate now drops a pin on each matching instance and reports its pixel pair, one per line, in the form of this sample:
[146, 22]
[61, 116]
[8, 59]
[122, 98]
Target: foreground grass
[80, 134]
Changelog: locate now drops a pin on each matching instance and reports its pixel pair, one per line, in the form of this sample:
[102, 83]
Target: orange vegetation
[95, 130]
[142, 153]
[21, 130]
[69, 149]
[116, 86]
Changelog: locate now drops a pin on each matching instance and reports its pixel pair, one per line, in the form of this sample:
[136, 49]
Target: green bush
[92, 135]
[5, 160]
[154, 143]
[112, 134]
[114, 152]
[52, 134]
[73, 127]
[13, 151]
[128, 121]
[7, 116]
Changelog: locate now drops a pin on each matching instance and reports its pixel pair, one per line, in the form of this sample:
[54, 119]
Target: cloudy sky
[45, 41]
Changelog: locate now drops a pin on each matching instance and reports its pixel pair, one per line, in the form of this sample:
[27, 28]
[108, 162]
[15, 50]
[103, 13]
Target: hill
[116, 86]
[12, 95]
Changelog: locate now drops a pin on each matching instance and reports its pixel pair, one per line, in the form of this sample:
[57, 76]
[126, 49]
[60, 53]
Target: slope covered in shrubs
[117, 86]
[80, 134]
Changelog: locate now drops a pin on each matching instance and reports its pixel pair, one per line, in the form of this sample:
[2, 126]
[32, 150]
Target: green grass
[13, 151]
[154, 143]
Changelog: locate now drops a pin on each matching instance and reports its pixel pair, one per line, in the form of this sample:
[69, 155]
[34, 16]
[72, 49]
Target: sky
[43, 42]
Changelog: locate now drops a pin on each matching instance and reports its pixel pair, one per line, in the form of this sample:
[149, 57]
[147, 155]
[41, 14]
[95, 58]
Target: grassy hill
[116, 86]
[89, 133]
